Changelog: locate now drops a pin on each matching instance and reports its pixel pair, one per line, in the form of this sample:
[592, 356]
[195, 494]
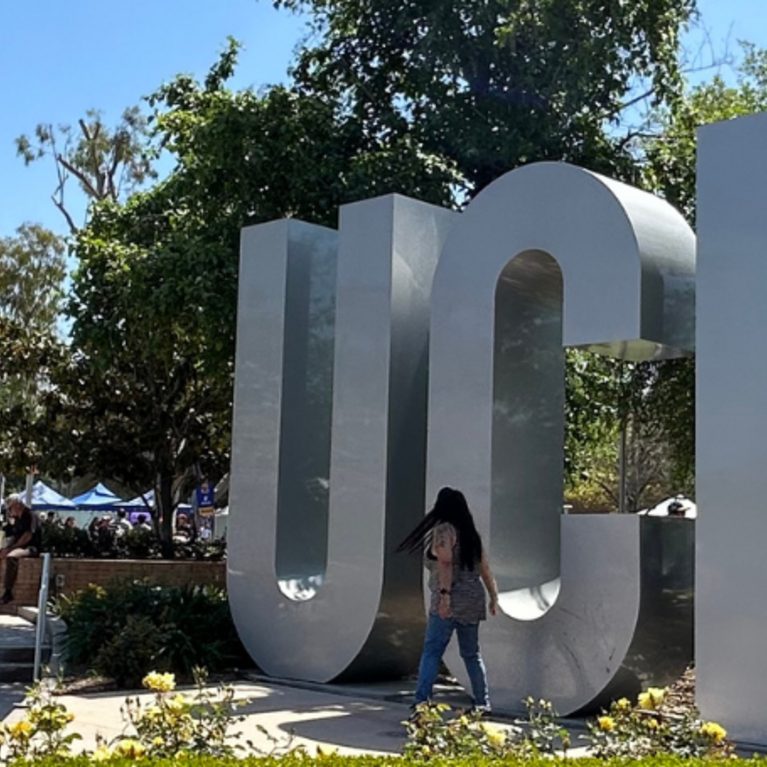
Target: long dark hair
[450, 507]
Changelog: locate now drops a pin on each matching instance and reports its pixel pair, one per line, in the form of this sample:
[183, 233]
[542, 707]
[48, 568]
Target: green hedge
[296, 760]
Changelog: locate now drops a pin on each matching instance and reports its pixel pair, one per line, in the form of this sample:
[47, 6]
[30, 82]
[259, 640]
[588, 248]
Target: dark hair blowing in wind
[450, 507]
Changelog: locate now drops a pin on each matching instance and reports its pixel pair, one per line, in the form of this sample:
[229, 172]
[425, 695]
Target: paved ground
[350, 718]
[16, 632]
[351, 725]
[11, 694]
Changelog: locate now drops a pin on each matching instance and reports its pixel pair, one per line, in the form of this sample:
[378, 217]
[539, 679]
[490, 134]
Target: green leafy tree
[669, 147]
[490, 85]
[146, 397]
[29, 360]
[670, 136]
[32, 272]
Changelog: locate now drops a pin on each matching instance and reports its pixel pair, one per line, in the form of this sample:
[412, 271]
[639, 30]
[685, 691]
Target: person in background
[458, 568]
[24, 539]
[142, 524]
[70, 522]
[122, 524]
[678, 508]
[184, 532]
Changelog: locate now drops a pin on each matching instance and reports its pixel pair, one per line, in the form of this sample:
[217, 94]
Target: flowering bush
[647, 730]
[176, 724]
[42, 732]
[430, 734]
[625, 731]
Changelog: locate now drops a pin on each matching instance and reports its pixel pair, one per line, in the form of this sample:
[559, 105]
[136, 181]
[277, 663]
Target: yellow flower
[652, 724]
[624, 704]
[101, 754]
[496, 736]
[20, 730]
[151, 713]
[652, 699]
[130, 748]
[606, 723]
[159, 682]
[713, 731]
[158, 741]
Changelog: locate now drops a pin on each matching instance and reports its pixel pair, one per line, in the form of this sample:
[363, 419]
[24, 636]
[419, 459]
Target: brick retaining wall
[78, 573]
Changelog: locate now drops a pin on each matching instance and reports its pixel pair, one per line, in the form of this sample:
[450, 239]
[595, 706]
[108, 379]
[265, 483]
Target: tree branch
[81, 177]
[636, 100]
[66, 214]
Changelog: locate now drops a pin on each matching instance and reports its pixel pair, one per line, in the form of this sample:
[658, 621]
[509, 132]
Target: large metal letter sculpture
[545, 256]
[314, 590]
[731, 607]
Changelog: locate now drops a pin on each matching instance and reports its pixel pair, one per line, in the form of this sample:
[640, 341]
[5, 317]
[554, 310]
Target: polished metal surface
[329, 440]
[731, 608]
[551, 256]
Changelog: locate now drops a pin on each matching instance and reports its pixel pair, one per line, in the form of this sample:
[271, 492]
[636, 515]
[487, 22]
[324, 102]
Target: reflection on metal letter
[551, 256]
[731, 606]
[329, 439]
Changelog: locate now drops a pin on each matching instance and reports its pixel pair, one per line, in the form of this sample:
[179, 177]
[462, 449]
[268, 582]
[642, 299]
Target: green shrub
[130, 652]
[130, 628]
[61, 541]
[334, 760]
[76, 542]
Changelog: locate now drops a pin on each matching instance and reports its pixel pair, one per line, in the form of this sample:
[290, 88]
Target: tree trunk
[165, 515]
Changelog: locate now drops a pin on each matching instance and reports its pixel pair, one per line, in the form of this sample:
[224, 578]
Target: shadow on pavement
[345, 722]
[10, 695]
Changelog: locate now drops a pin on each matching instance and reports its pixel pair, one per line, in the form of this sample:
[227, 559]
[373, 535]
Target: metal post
[42, 606]
[28, 490]
[622, 471]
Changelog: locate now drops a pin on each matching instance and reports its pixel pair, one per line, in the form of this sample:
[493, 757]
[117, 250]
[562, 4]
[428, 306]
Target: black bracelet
[445, 591]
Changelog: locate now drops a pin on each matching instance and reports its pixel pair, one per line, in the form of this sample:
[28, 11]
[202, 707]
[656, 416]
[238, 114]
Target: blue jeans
[438, 633]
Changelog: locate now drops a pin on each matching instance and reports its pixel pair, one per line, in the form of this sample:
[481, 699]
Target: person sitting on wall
[24, 540]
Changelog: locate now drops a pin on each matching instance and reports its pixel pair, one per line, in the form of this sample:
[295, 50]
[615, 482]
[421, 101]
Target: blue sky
[61, 57]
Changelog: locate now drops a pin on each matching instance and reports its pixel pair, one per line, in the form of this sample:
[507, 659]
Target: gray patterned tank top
[467, 594]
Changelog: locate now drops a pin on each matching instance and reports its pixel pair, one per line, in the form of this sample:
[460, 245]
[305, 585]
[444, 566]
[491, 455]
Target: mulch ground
[681, 696]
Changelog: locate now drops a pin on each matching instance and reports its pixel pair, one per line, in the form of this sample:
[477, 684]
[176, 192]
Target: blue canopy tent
[45, 498]
[139, 505]
[145, 501]
[98, 498]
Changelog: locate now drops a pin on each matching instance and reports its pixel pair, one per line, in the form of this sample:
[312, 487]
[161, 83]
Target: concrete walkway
[11, 695]
[289, 714]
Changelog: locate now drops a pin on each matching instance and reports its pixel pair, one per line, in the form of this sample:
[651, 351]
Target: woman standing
[458, 567]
